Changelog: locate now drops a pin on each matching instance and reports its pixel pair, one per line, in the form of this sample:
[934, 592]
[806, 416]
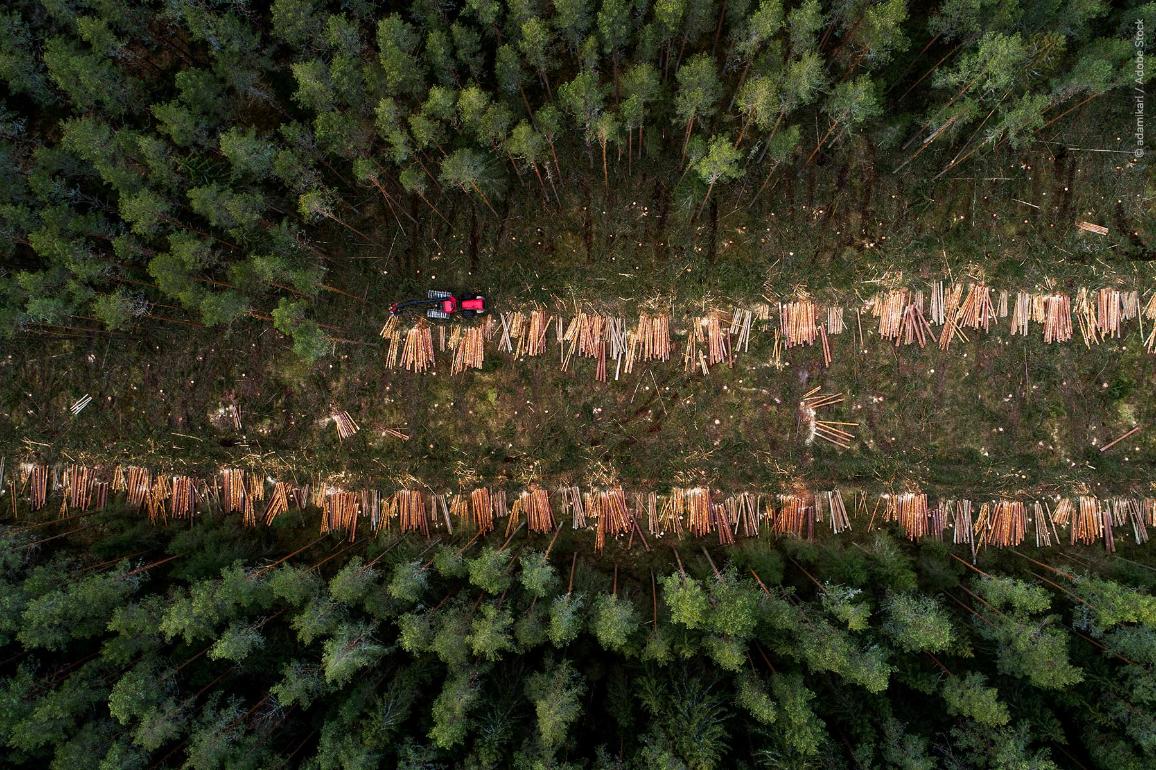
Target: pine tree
[309, 342]
[572, 19]
[535, 43]
[753, 696]
[489, 571]
[236, 643]
[917, 623]
[490, 633]
[350, 650]
[555, 693]
[451, 711]
[969, 696]
[614, 622]
[640, 87]
[719, 164]
[699, 91]
[294, 21]
[584, 98]
[538, 576]
[468, 171]
[397, 42]
[408, 582]
[1028, 643]
[19, 67]
[686, 599]
[566, 618]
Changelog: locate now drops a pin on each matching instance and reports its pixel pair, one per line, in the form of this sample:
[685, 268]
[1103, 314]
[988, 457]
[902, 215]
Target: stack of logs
[649, 341]
[889, 307]
[797, 320]
[796, 515]
[832, 431]
[482, 510]
[909, 510]
[467, 342]
[539, 514]
[587, 336]
[155, 502]
[524, 335]
[840, 522]
[608, 507]
[1000, 523]
[411, 511]
[278, 503]
[417, 354]
[346, 427]
[183, 502]
[534, 504]
[708, 343]
[904, 318]
[412, 350]
[1150, 314]
[744, 513]
[85, 491]
[340, 511]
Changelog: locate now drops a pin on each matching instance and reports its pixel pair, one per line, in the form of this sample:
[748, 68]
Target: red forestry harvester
[442, 305]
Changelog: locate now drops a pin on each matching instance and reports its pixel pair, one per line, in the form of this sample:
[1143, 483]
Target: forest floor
[998, 415]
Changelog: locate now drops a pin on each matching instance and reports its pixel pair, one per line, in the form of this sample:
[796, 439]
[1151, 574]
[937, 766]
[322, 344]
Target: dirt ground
[997, 415]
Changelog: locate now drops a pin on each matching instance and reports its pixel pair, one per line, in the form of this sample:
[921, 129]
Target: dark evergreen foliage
[199, 155]
[384, 661]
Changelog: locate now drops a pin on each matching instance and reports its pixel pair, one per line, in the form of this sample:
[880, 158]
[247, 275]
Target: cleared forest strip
[935, 316]
[605, 509]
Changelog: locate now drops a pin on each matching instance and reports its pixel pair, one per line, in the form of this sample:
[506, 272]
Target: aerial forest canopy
[202, 162]
[806, 420]
[211, 653]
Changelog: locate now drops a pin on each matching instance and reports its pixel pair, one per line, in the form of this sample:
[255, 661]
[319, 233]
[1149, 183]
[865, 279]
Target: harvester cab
[443, 305]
